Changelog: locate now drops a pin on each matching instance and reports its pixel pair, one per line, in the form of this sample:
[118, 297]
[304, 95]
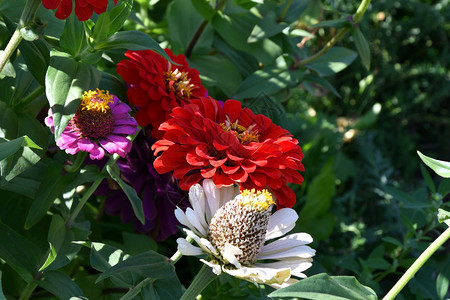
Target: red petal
[187, 181]
[195, 160]
[259, 179]
[235, 158]
[51, 4]
[230, 169]
[220, 179]
[239, 176]
[219, 146]
[208, 173]
[217, 163]
[232, 108]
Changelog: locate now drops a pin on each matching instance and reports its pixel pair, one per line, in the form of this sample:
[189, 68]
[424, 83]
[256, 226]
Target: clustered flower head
[83, 8]
[100, 123]
[241, 237]
[229, 144]
[156, 85]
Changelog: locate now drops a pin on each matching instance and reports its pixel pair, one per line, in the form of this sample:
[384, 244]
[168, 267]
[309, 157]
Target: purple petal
[124, 130]
[120, 141]
[120, 108]
[126, 121]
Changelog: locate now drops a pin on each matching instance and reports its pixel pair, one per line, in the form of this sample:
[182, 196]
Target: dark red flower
[156, 86]
[229, 144]
[83, 8]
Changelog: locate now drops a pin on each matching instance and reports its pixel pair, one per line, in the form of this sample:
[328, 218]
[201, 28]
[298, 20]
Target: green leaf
[8, 69]
[377, 263]
[37, 57]
[2, 296]
[443, 215]
[268, 80]
[73, 39]
[13, 126]
[52, 185]
[323, 82]
[391, 240]
[24, 257]
[147, 264]
[137, 243]
[65, 81]
[51, 257]
[444, 187]
[334, 61]
[362, 47]
[428, 179]
[137, 289]
[339, 23]
[135, 201]
[204, 8]
[60, 285]
[132, 40]
[26, 183]
[118, 15]
[8, 148]
[443, 280]
[217, 71]
[266, 105]
[319, 193]
[101, 28]
[267, 27]
[325, 287]
[442, 168]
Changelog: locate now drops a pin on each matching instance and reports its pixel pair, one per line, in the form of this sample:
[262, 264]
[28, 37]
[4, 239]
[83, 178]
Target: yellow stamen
[244, 135]
[96, 100]
[260, 199]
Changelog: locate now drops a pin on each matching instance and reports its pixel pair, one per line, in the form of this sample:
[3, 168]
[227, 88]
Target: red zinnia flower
[83, 8]
[229, 144]
[156, 86]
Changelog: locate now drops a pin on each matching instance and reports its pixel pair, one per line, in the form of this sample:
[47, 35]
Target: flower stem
[26, 18]
[80, 158]
[202, 280]
[285, 10]
[176, 257]
[29, 289]
[356, 18]
[199, 32]
[420, 261]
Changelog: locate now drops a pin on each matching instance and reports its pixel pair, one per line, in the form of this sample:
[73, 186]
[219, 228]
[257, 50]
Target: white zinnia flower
[236, 231]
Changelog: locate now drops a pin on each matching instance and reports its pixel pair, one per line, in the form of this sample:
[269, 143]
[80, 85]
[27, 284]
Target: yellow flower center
[96, 100]
[94, 118]
[244, 135]
[179, 83]
[260, 200]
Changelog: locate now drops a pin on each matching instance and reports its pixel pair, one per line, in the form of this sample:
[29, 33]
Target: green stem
[26, 18]
[82, 202]
[176, 257]
[29, 289]
[80, 158]
[356, 18]
[10, 48]
[202, 280]
[285, 10]
[420, 261]
[199, 32]
[31, 97]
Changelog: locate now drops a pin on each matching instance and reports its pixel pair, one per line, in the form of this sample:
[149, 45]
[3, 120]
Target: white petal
[229, 254]
[181, 217]
[297, 265]
[198, 202]
[301, 251]
[215, 267]
[212, 198]
[203, 243]
[192, 218]
[281, 222]
[187, 248]
[284, 284]
[261, 275]
[228, 193]
[287, 242]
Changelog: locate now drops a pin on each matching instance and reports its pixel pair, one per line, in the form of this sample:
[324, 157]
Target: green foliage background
[367, 200]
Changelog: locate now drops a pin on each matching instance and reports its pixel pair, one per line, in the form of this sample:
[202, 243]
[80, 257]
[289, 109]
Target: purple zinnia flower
[160, 194]
[101, 123]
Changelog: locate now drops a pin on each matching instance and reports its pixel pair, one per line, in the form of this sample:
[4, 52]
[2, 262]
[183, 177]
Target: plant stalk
[29, 289]
[176, 257]
[420, 261]
[356, 18]
[202, 280]
[26, 19]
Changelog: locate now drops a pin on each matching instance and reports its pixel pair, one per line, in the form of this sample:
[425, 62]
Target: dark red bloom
[229, 144]
[83, 8]
[156, 86]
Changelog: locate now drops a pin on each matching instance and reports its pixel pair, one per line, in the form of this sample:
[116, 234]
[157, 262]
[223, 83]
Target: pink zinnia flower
[101, 123]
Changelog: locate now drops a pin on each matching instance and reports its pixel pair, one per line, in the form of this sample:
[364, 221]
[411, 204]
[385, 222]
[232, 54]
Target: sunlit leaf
[60, 285]
[332, 62]
[325, 287]
[362, 47]
[442, 168]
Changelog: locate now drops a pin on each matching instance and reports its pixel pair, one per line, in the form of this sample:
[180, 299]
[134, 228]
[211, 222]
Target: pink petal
[124, 130]
[86, 145]
[109, 146]
[97, 152]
